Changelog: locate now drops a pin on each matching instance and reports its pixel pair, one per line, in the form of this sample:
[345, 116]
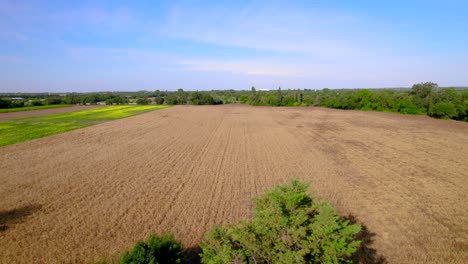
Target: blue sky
[57, 46]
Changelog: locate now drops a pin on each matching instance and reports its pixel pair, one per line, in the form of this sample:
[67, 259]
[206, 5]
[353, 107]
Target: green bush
[406, 106]
[288, 226]
[159, 100]
[157, 250]
[36, 102]
[443, 110]
[142, 101]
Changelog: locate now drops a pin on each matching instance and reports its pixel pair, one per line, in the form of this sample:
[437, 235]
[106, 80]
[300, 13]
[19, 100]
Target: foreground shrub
[288, 226]
[157, 250]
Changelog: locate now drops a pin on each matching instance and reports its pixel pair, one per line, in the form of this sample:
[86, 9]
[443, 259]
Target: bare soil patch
[11, 115]
[91, 193]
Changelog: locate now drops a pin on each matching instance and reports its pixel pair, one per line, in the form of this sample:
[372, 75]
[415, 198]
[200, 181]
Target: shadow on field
[365, 253]
[192, 254]
[16, 216]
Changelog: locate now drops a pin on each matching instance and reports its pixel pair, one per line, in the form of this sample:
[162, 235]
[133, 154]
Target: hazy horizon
[90, 46]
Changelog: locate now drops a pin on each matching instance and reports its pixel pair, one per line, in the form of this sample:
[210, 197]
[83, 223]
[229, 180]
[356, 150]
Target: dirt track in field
[11, 115]
[93, 192]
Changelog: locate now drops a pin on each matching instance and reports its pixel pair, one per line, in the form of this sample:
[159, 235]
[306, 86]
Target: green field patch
[27, 128]
[29, 108]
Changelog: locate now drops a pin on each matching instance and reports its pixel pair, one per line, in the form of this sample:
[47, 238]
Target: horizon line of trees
[423, 98]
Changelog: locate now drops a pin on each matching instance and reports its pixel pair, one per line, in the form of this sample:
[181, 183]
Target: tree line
[423, 98]
[111, 98]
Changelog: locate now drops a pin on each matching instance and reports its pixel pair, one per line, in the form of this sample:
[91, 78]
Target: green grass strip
[27, 128]
[29, 108]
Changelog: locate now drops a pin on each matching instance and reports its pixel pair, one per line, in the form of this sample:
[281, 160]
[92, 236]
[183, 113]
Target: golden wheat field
[89, 194]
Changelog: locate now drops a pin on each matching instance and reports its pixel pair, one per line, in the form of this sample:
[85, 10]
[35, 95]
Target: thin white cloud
[280, 30]
[122, 55]
[250, 67]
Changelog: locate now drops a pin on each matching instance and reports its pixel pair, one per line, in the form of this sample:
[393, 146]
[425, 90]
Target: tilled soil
[90, 193]
[40, 112]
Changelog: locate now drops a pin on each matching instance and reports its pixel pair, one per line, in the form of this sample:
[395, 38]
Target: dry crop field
[90, 193]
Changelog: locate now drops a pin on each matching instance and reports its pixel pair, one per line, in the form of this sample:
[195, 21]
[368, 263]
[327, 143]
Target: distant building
[17, 98]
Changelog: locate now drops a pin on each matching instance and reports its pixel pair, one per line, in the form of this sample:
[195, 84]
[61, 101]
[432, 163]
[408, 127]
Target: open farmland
[93, 192]
[41, 110]
[31, 108]
[37, 126]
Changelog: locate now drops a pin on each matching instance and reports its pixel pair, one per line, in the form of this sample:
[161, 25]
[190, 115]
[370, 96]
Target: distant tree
[443, 110]
[159, 100]
[5, 103]
[92, 98]
[118, 100]
[423, 90]
[243, 98]
[422, 93]
[227, 100]
[196, 98]
[253, 99]
[363, 99]
[171, 99]
[199, 98]
[53, 100]
[72, 98]
[299, 97]
[181, 96]
[279, 97]
[36, 102]
[142, 101]
[447, 103]
[406, 106]
[157, 93]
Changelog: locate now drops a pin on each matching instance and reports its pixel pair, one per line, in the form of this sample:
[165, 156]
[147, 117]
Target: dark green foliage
[156, 250]
[443, 110]
[406, 106]
[198, 98]
[422, 93]
[171, 100]
[423, 90]
[5, 103]
[72, 98]
[157, 93]
[448, 103]
[243, 99]
[279, 97]
[159, 100]
[181, 96]
[288, 226]
[423, 98]
[53, 100]
[36, 102]
[8, 103]
[254, 98]
[142, 101]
